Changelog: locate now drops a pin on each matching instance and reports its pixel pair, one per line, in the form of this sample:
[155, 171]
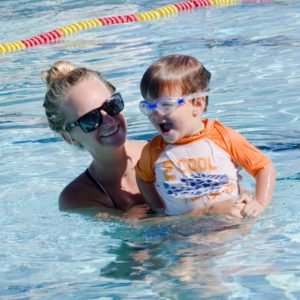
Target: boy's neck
[197, 132]
[198, 129]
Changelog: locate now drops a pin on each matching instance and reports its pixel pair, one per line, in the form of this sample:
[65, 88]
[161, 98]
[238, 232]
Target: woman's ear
[69, 139]
[199, 105]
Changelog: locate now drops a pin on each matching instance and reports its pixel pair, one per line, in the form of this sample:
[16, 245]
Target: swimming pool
[253, 54]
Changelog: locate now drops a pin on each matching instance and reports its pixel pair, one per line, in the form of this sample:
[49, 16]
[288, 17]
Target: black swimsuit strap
[99, 186]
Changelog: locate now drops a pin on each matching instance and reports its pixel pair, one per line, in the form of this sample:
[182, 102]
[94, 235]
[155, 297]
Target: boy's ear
[199, 106]
[69, 139]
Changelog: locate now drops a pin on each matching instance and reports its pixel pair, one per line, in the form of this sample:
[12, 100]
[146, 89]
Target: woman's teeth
[111, 132]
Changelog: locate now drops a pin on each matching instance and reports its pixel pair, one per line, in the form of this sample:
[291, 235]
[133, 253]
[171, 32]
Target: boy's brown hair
[175, 70]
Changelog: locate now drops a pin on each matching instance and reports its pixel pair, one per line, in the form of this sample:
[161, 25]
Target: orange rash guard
[199, 170]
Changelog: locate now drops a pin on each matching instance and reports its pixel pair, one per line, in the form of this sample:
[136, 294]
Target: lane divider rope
[156, 13]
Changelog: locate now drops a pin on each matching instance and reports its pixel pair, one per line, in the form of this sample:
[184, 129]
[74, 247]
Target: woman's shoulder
[136, 143]
[69, 197]
[135, 146]
[77, 194]
[134, 149]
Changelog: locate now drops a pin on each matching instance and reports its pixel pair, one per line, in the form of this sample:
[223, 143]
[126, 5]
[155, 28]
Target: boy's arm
[265, 183]
[255, 163]
[150, 194]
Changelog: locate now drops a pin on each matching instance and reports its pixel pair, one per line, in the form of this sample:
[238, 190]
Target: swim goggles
[167, 105]
[93, 119]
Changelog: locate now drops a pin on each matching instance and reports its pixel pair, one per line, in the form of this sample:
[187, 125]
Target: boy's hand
[252, 208]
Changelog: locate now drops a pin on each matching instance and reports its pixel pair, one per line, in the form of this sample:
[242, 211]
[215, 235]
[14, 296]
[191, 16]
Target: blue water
[253, 54]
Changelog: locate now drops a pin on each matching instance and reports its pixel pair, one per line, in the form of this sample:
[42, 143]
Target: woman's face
[85, 97]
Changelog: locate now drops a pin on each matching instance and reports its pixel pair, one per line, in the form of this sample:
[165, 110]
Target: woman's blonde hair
[60, 78]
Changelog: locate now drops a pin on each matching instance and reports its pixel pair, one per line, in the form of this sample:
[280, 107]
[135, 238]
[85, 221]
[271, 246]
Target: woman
[85, 110]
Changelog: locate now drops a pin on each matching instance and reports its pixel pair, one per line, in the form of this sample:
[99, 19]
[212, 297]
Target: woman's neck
[110, 166]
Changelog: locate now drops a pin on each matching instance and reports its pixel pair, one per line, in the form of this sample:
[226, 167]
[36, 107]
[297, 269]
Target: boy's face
[185, 120]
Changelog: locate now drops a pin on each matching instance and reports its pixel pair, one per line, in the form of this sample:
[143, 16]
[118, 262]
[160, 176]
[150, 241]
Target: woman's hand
[230, 209]
[137, 212]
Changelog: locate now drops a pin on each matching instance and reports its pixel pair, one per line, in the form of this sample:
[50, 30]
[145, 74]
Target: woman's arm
[229, 209]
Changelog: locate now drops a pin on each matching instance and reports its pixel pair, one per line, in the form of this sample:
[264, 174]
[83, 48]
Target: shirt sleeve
[243, 152]
[143, 168]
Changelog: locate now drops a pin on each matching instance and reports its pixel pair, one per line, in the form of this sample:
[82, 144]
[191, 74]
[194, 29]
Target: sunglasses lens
[114, 105]
[91, 121]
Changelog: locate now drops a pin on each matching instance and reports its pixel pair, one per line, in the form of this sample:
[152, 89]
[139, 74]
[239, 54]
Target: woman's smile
[109, 132]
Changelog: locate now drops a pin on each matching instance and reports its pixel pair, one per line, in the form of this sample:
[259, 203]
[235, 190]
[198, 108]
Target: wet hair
[182, 71]
[60, 79]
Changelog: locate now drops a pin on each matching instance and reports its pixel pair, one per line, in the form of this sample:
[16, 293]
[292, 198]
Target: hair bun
[59, 70]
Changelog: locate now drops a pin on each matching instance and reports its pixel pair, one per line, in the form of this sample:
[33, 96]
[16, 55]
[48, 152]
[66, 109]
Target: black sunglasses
[93, 119]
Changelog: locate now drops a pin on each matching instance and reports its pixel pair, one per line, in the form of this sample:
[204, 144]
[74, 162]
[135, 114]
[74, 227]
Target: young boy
[192, 166]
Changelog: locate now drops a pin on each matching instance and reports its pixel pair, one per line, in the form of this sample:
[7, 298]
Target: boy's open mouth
[165, 127]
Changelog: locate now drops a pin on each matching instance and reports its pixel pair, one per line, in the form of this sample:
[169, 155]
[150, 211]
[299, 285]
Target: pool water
[253, 54]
